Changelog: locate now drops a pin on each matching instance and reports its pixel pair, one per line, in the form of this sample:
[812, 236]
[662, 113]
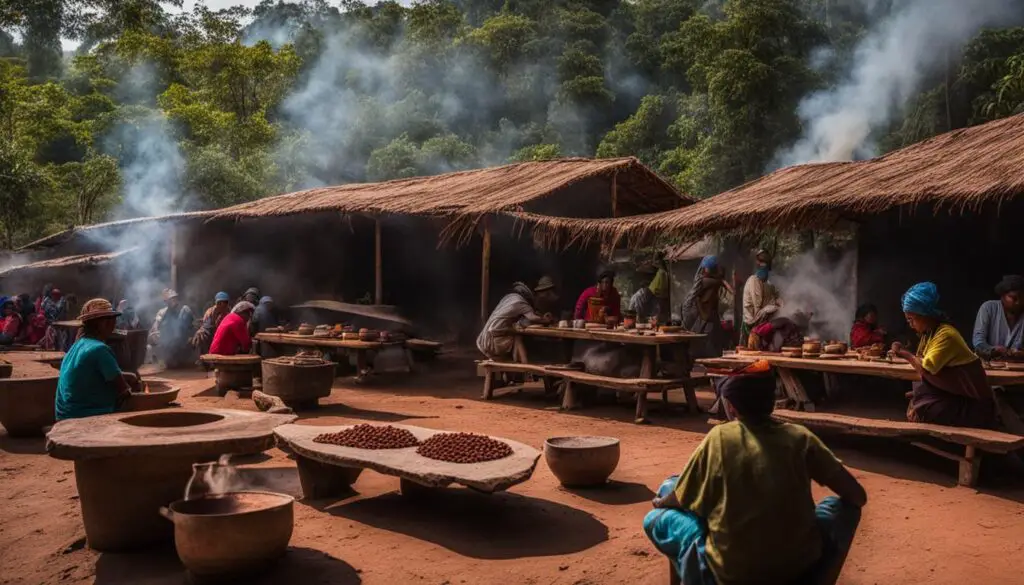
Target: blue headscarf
[922, 299]
[710, 263]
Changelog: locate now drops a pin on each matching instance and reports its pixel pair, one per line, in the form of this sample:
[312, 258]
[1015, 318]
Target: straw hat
[97, 309]
[545, 283]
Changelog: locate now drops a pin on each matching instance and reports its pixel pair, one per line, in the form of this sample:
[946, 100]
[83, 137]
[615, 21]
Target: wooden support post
[795, 390]
[969, 467]
[519, 350]
[646, 371]
[615, 194]
[378, 291]
[174, 257]
[485, 274]
[569, 396]
[737, 310]
[488, 385]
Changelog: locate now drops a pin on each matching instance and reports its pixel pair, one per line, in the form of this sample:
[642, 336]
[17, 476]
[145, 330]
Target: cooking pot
[231, 534]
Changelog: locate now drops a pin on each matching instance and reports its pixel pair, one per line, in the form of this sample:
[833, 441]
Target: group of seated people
[28, 322]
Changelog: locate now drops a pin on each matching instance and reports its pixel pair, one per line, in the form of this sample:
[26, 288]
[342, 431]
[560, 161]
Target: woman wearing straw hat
[91, 383]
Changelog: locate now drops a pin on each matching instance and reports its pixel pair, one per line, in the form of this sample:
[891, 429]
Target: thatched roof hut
[954, 172]
[631, 187]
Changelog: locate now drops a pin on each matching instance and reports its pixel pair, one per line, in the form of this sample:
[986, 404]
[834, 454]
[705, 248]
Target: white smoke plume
[825, 288]
[889, 65]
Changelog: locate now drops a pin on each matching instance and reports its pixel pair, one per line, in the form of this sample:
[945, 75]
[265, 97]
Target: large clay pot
[26, 405]
[129, 348]
[232, 534]
[298, 385]
[582, 461]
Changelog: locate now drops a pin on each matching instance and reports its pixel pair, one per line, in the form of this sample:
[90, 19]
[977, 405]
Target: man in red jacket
[232, 336]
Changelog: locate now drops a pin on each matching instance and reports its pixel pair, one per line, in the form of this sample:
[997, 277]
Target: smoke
[825, 287]
[214, 479]
[889, 66]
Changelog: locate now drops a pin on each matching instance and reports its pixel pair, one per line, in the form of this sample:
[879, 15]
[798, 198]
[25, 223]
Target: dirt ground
[917, 527]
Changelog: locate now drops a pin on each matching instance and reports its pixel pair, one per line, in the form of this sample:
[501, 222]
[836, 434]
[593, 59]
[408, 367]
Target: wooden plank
[310, 341]
[795, 390]
[378, 274]
[485, 274]
[985, 439]
[879, 369]
[624, 384]
[610, 335]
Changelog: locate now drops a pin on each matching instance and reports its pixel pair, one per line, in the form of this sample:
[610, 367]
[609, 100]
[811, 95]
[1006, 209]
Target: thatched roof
[77, 261]
[110, 226]
[955, 172]
[476, 192]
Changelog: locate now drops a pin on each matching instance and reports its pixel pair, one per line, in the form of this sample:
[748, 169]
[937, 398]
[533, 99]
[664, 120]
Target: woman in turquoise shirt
[91, 382]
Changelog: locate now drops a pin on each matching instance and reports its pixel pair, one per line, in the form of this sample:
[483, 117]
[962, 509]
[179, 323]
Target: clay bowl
[582, 461]
[159, 394]
[26, 405]
[232, 534]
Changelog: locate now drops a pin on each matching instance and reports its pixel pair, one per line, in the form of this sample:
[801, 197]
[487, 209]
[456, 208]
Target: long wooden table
[650, 343]
[361, 348]
[795, 390]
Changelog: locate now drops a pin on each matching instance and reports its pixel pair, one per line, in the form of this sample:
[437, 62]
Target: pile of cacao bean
[463, 448]
[367, 436]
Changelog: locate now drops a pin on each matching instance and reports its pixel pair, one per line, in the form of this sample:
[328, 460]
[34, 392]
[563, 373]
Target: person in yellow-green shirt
[952, 389]
[742, 511]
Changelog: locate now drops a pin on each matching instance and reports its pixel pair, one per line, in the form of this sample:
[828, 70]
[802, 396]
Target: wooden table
[680, 343]
[795, 390]
[361, 348]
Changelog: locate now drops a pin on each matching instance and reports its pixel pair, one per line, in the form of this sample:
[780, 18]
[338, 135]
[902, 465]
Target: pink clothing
[232, 336]
[11, 325]
[612, 303]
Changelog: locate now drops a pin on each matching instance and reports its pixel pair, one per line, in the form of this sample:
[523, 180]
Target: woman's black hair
[864, 310]
[605, 274]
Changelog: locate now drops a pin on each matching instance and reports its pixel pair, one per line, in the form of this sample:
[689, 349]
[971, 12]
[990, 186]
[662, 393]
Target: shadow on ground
[344, 410]
[615, 493]
[162, 567]
[22, 445]
[498, 526]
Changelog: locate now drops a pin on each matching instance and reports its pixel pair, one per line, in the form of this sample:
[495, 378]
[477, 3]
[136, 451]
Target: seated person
[953, 389]
[608, 297]
[232, 336]
[171, 332]
[779, 332]
[865, 331]
[742, 510]
[211, 321]
[517, 307]
[91, 383]
[646, 301]
[10, 321]
[999, 328]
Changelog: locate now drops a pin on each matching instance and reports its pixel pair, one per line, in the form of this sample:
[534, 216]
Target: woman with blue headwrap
[700, 308]
[952, 389]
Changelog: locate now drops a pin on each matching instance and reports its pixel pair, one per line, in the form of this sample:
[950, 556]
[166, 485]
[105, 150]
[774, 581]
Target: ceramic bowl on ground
[582, 461]
[159, 394]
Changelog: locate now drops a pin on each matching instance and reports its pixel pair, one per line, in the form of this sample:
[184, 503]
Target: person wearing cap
[172, 331]
[91, 383]
[952, 388]
[251, 296]
[211, 320]
[129, 319]
[742, 510]
[999, 328]
[647, 300]
[760, 298]
[232, 337]
[605, 291]
[518, 307]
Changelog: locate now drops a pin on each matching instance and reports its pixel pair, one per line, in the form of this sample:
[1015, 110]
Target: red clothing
[864, 335]
[11, 325]
[612, 303]
[232, 336]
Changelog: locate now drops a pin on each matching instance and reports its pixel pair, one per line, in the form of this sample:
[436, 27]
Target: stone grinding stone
[488, 476]
[239, 431]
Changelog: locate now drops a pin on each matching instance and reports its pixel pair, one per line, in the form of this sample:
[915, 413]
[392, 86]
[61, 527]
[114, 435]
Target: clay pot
[582, 461]
[811, 347]
[159, 394]
[26, 405]
[233, 534]
[298, 385]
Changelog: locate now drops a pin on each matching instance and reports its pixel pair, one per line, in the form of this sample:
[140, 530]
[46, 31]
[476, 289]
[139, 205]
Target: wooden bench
[972, 439]
[572, 378]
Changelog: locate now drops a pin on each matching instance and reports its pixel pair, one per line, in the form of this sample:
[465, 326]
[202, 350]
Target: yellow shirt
[767, 532]
[943, 347]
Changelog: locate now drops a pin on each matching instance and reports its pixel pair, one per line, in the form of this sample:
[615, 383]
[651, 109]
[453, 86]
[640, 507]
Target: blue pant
[681, 535]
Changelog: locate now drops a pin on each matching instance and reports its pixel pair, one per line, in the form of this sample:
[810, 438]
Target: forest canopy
[159, 109]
